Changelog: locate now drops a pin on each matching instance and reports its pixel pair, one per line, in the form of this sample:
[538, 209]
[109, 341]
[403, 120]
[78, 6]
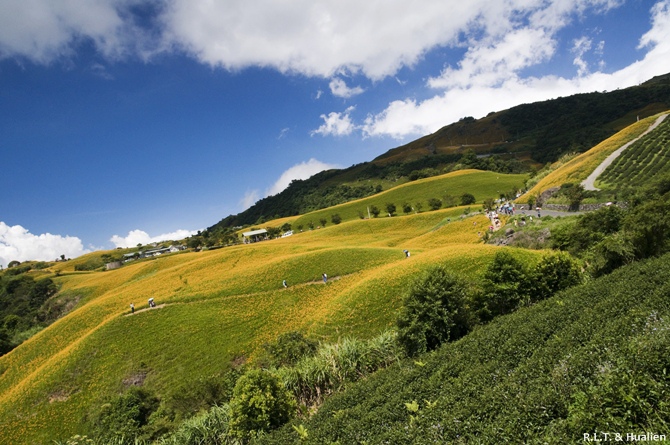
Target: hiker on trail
[132, 308]
[406, 253]
[151, 302]
[285, 284]
[538, 212]
[325, 278]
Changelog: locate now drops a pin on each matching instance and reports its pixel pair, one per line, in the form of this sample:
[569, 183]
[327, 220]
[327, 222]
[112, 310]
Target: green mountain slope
[590, 360]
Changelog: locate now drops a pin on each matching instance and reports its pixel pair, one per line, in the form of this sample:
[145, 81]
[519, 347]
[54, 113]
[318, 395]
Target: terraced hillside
[216, 308]
[639, 163]
[580, 167]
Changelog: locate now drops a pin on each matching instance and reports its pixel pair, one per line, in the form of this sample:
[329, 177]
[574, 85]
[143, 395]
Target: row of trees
[441, 307]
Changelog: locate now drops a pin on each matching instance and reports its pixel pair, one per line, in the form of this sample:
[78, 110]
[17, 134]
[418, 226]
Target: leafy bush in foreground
[434, 312]
[260, 403]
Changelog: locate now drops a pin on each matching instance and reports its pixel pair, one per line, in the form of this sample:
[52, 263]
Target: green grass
[481, 184]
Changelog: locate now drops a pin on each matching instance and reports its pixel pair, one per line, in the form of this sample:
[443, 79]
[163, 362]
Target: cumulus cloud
[339, 88]
[333, 38]
[488, 77]
[45, 30]
[137, 236]
[336, 124]
[17, 243]
[303, 170]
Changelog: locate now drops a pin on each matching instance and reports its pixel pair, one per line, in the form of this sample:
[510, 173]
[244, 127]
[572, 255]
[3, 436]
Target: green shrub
[287, 350]
[554, 273]
[336, 218]
[506, 286]
[124, 418]
[467, 199]
[434, 204]
[433, 312]
[260, 403]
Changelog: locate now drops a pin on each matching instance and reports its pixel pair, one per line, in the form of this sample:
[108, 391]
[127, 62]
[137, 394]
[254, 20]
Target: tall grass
[337, 364]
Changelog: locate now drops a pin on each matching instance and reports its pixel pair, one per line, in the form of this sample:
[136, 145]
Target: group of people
[152, 303]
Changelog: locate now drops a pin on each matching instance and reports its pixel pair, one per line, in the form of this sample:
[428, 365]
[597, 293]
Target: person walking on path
[325, 278]
[151, 302]
[132, 308]
[285, 284]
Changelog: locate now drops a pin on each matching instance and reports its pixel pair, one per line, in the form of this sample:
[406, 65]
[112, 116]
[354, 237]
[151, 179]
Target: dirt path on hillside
[588, 183]
[159, 306]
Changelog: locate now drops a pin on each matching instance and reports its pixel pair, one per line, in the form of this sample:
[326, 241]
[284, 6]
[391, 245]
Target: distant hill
[508, 141]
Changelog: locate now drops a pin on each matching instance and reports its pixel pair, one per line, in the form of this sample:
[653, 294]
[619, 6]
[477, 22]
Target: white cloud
[303, 170]
[283, 132]
[45, 30]
[340, 89]
[249, 199]
[17, 243]
[488, 77]
[336, 124]
[137, 236]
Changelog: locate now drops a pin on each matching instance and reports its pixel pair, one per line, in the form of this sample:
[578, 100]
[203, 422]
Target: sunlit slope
[219, 306]
[579, 168]
[481, 184]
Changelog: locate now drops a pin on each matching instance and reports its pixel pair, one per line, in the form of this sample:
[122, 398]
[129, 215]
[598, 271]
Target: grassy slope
[482, 184]
[579, 168]
[593, 358]
[220, 305]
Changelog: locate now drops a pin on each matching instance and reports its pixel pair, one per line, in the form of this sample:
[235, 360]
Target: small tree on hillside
[260, 403]
[506, 286]
[434, 203]
[323, 222]
[418, 206]
[336, 218]
[467, 199]
[406, 208]
[374, 210]
[554, 273]
[390, 208]
[434, 312]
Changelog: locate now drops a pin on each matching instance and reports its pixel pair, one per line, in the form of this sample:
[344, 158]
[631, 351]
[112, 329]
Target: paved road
[544, 212]
[588, 183]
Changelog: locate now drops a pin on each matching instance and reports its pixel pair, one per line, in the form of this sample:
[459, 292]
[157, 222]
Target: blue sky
[127, 121]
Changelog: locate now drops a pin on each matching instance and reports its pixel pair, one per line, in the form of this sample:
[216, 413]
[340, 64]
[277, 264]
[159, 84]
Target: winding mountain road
[588, 183]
